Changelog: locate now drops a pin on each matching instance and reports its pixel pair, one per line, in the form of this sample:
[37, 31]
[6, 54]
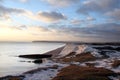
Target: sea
[11, 64]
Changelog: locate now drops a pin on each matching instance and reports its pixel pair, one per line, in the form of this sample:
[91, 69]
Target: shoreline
[88, 61]
[33, 56]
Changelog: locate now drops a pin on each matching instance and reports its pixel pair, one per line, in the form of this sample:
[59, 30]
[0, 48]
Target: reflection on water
[11, 64]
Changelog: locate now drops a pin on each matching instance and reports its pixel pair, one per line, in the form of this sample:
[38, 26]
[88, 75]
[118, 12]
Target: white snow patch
[78, 49]
[45, 74]
[42, 75]
[114, 55]
[106, 63]
[114, 78]
[116, 69]
[68, 49]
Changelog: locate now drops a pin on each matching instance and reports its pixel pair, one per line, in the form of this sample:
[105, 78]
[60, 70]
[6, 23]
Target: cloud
[95, 32]
[5, 12]
[38, 29]
[1, 1]
[77, 21]
[82, 21]
[90, 18]
[115, 14]
[100, 6]
[51, 16]
[23, 1]
[62, 3]
[31, 29]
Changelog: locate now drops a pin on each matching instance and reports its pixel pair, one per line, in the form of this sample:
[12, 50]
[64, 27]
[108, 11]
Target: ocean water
[10, 64]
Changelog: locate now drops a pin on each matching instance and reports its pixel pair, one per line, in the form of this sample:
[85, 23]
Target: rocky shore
[75, 62]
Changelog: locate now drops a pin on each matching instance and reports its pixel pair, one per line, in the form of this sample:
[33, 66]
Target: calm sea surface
[10, 64]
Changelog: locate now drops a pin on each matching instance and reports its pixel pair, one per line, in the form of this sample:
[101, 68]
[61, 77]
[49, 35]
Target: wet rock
[35, 56]
[38, 61]
[21, 77]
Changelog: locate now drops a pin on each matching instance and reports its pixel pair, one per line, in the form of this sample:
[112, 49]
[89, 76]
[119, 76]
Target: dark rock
[35, 56]
[108, 48]
[38, 61]
[21, 77]
[104, 53]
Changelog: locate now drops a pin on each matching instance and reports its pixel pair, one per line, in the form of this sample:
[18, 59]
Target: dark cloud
[100, 32]
[51, 16]
[5, 10]
[98, 6]
[115, 14]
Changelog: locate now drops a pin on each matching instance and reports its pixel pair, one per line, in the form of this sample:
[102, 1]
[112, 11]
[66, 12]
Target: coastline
[54, 68]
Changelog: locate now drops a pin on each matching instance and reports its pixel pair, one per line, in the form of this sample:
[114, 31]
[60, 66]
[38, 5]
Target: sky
[60, 20]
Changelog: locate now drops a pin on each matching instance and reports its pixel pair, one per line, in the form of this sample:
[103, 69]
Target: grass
[74, 72]
[90, 64]
[83, 57]
[116, 63]
[15, 78]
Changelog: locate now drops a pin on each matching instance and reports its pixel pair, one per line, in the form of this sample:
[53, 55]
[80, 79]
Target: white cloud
[62, 3]
[90, 18]
[23, 1]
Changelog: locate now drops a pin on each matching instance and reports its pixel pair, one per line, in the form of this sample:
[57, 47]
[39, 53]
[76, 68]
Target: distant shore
[78, 42]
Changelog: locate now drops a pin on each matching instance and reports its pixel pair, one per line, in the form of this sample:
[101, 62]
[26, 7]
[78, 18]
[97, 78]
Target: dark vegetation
[90, 64]
[74, 72]
[116, 63]
[83, 57]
